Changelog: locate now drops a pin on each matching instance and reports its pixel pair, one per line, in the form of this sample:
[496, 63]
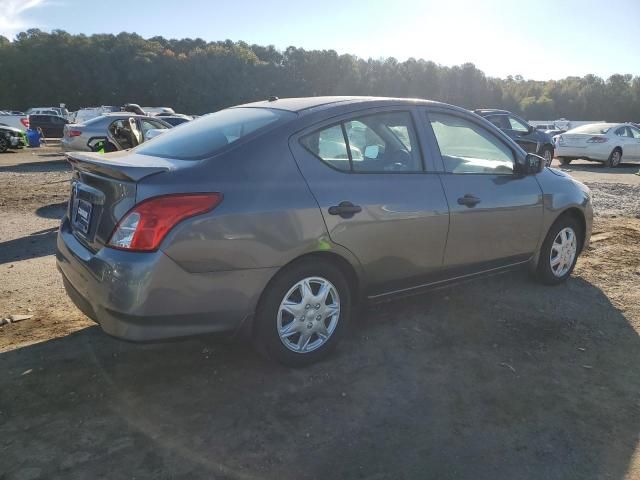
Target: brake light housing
[74, 133]
[144, 227]
[597, 139]
[25, 122]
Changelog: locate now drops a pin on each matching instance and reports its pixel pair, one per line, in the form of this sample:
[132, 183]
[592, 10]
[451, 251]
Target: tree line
[195, 76]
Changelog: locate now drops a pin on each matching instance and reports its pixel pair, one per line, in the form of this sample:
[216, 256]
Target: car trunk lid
[103, 190]
[576, 139]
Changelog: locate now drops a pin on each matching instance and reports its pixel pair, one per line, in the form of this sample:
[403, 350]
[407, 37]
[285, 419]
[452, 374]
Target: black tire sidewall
[609, 162]
[565, 160]
[4, 145]
[265, 328]
[545, 274]
[547, 149]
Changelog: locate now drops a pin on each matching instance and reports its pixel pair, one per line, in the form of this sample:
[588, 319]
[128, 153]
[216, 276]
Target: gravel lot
[496, 379]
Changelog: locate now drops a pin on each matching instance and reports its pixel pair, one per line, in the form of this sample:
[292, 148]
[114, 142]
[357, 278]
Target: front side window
[635, 132]
[517, 125]
[378, 143]
[499, 121]
[466, 147]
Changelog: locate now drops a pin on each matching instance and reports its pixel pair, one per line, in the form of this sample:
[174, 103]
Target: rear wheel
[614, 159]
[4, 145]
[547, 153]
[565, 160]
[559, 251]
[303, 313]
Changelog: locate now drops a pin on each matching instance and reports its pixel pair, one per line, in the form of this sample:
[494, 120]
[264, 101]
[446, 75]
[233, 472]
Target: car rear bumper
[596, 152]
[147, 296]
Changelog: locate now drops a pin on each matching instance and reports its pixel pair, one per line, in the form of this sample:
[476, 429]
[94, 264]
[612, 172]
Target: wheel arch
[348, 269]
[579, 217]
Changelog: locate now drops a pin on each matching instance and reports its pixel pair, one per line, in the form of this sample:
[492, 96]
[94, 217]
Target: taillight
[144, 227]
[25, 122]
[74, 133]
[597, 140]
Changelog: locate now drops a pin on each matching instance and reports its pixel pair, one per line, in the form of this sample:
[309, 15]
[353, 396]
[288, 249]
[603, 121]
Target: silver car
[276, 218]
[110, 132]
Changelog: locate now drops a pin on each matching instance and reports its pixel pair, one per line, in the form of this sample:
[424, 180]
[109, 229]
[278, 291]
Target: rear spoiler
[123, 165]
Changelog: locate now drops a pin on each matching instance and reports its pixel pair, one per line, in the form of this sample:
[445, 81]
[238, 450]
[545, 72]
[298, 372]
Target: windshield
[593, 129]
[208, 134]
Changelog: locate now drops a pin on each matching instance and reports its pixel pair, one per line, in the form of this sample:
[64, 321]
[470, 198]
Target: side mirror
[371, 151]
[532, 164]
[532, 129]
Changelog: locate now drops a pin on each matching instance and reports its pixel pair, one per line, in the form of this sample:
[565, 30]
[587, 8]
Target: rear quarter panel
[267, 218]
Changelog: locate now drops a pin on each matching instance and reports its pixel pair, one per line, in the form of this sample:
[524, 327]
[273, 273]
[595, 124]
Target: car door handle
[345, 209]
[468, 200]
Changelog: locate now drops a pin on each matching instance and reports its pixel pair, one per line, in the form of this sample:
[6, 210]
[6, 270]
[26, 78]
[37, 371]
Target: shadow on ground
[44, 166]
[598, 167]
[38, 244]
[500, 379]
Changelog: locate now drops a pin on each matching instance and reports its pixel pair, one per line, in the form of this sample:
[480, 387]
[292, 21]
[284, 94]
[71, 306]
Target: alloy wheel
[308, 314]
[563, 252]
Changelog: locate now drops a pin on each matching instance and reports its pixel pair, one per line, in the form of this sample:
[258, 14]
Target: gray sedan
[111, 132]
[277, 218]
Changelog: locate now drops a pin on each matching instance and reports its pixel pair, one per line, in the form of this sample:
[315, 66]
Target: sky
[538, 39]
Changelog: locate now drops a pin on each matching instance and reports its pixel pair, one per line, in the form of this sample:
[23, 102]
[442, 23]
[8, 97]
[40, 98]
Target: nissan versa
[275, 218]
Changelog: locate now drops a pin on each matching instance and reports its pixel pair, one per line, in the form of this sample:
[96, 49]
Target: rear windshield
[593, 129]
[206, 135]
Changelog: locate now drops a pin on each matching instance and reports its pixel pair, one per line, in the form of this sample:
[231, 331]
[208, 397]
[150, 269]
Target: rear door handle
[345, 209]
[468, 200]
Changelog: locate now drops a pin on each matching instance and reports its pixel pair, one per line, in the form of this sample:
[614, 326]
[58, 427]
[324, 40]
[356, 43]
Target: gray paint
[211, 270]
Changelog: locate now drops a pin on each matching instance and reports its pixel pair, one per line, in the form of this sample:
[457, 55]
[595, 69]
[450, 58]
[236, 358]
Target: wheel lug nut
[318, 317]
[317, 306]
[307, 306]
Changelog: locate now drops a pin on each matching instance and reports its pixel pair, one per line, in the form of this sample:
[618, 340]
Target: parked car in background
[11, 138]
[545, 126]
[244, 219]
[52, 126]
[530, 139]
[88, 113]
[60, 111]
[20, 122]
[174, 120]
[110, 132]
[609, 143]
[158, 110]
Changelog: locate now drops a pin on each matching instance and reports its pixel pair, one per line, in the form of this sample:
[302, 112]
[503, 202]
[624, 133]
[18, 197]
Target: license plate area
[82, 216]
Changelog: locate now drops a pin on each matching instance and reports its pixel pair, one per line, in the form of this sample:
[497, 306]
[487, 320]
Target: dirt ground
[496, 379]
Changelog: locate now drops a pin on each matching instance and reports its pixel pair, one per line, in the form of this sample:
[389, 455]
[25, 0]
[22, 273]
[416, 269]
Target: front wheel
[559, 251]
[565, 160]
[4, 145]
[303, 314]
[547, 153]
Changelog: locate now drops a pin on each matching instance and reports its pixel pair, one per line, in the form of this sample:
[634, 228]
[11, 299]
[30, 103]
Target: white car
[610, 143]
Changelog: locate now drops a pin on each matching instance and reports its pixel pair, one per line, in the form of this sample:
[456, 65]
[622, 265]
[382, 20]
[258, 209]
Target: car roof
[485, 111]
[302, 104]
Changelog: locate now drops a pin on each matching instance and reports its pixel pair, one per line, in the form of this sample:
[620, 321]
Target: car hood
[10, 129]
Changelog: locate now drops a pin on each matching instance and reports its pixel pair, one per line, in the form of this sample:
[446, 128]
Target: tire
[547, 153]
[549, 274]
[615, 158]
[272, 317]
[565, 160]
[4, 145]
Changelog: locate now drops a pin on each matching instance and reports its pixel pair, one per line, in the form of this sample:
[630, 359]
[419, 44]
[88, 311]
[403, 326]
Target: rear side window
[378, 143]
[208, 134]
[466, 147]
